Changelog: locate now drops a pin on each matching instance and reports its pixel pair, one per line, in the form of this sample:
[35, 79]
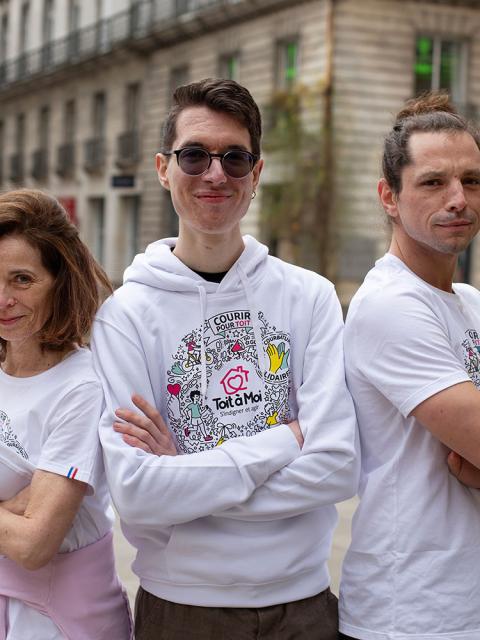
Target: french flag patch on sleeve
[72, 472]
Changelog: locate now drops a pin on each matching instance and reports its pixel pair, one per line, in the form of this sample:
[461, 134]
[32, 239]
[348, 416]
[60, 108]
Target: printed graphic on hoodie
[8, 437]
[471, 355]
[245, 392]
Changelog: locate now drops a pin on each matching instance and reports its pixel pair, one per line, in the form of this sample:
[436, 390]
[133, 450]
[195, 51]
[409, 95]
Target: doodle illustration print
[8, 436]
[196, 428]
[246, 391]
[471, 355]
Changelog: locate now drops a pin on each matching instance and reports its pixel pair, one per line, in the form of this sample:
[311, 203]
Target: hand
[463, 470]
[275, 357]
[18, 503]
[295, 428]
[146, 431]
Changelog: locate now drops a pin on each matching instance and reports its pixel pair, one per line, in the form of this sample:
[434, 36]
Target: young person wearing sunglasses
[237, 360]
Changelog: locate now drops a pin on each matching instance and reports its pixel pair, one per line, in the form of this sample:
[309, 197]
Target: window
[181, 6]
[99, 10]
[69, 121]
[20, 133]
[131, 209]
[101, 26]
[47, 33]
[17, 158]
[73, 15]
[99, 113]
[47, 21]
[3, 47]
[44, 127]
[73, 27]
[3, 38]
[441, 63]
[24, 26]
[137, 15]
[97, 227]
[178, 77]
[132, 107]
[287, 63]
[66, 151]
[229, 66]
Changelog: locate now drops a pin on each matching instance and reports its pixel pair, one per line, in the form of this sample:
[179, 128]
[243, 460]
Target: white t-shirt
[51, 419]
[412, 570]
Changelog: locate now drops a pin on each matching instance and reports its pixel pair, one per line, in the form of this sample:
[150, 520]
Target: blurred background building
[85, 85]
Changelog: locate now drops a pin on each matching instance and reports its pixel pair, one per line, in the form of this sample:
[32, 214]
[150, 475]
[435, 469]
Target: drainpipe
[325, 208]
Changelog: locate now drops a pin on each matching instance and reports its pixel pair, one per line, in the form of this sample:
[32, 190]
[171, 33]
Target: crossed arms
[262, 477]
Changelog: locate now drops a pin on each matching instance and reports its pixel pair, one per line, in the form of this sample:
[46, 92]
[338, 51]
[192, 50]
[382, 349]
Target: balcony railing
[40, 164]
[66, 160]
[94, 155]
[128, 149]
[17, 173]
[155, 21]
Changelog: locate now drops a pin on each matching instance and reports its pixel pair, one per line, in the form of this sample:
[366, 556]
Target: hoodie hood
[159, 267]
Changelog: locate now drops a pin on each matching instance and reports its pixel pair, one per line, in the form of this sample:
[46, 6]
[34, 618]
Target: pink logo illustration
[235, 380]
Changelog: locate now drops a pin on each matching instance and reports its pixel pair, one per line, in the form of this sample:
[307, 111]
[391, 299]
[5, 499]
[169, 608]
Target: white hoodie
[235, 521]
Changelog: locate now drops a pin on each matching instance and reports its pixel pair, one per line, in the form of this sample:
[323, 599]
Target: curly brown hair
[79, 281]
[430, 112]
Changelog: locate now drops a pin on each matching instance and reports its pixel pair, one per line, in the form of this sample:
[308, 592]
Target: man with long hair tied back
[412, 343]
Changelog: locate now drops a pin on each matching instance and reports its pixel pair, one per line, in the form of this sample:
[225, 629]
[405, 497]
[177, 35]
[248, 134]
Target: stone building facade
[85, 85]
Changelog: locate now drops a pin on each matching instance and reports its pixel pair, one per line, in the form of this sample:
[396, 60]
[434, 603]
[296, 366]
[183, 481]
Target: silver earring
[254, 193]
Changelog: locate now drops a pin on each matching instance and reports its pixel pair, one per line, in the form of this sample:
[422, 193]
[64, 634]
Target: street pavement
[124, 553]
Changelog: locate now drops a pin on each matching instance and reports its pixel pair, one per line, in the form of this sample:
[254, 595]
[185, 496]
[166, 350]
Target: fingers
[147, 430]
[271, 349]
[137, 437]
[140, 421]
[149, 411]
[138, 444]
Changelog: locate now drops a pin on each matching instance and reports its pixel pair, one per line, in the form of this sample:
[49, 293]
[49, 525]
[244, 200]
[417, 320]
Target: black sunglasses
[194, 161]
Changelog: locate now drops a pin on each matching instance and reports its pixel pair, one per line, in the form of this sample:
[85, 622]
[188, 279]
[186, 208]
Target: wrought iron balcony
[128, 149]
[40, 164]
[146, 25]
[66, 160]
[94, 155]
[17, 172]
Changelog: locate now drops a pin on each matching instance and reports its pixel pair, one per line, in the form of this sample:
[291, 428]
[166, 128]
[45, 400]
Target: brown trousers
[314, 618]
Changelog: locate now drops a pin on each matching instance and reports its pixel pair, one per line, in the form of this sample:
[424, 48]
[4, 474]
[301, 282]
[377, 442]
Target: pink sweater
[79, 591]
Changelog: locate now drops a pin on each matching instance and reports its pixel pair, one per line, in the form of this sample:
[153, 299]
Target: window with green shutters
[287, 63]
[228, 66]
[441, 63]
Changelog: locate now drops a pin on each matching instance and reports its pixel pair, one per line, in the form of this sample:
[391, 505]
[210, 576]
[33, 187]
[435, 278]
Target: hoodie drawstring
[203, 357]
